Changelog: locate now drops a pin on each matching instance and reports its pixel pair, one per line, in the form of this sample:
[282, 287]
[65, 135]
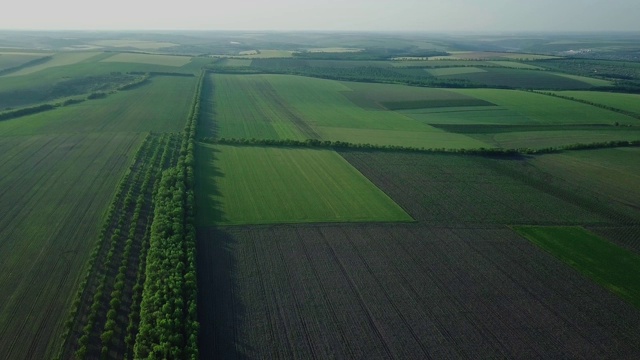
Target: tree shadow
[207, 126]
[220, 310]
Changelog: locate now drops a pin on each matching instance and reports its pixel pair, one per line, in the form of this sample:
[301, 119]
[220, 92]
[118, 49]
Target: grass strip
[607, 264]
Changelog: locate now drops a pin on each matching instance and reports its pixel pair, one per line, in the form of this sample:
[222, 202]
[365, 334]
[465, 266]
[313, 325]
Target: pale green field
[491, 115]
[139, 44]
[528, 56]
[248, 107]
[627, 102]
[454, 71]
[55, 190]
[437, 63]
[267, 185]
[11, 60]
[515, 65]
[265, 54]
[166, 60]
[26, 53]
[334, 50]
[552, 138]
[542, 109]
[482, 55]
[59, 59]
[588, 80]
[283, 106]
[235, 62]
[435, 139]
[161, 105]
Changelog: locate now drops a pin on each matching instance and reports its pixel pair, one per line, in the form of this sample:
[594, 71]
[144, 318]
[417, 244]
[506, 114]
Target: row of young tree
[95, 277]
[113, 330]
[168, 311]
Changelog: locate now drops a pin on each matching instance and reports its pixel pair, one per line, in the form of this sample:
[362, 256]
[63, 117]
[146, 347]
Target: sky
[329, 15]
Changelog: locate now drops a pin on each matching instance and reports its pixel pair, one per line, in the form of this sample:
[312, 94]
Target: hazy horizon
[330, 15]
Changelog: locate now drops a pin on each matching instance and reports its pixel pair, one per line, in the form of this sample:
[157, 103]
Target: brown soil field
[399, 291]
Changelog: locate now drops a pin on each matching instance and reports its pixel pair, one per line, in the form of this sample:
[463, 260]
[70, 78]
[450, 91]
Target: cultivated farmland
[282, 107]
[300, 204]
[165, 60]
[256, 185]
[542, 109]
[625, 102]
[519, 78]
[51, 211]
[60, 172]
[60, 59]
[398, 291]
[610, 174]
[453, 189]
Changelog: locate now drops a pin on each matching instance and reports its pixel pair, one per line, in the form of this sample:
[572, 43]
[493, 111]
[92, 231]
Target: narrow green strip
[602, 261]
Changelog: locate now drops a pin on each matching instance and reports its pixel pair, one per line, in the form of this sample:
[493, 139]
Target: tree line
[315, 143]
[168, 326]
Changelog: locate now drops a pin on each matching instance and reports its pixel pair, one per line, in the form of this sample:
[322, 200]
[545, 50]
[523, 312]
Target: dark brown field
[400, 291]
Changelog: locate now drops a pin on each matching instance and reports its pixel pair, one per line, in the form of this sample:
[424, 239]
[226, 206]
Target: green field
[455, 71]
[588, 80]
[165, 60]
[10, 60]
[437, 63]
[59, 173]
[626, 102]
[603, 262]
[294, 107]
[490, 55]
[260, 54]
[137, 44]
[255, 185]
[541, 109]
[518, 108]
[134, 110]
[515, 65]
[333, 50]
[526, 79]
[362, 198]
[59, 59]
[400, 97]
[537, 139]
[489, 115]
[249, 107]
[234, 62]
[55, 189]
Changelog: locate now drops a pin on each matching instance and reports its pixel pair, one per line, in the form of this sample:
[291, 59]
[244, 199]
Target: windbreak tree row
[168, 326]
